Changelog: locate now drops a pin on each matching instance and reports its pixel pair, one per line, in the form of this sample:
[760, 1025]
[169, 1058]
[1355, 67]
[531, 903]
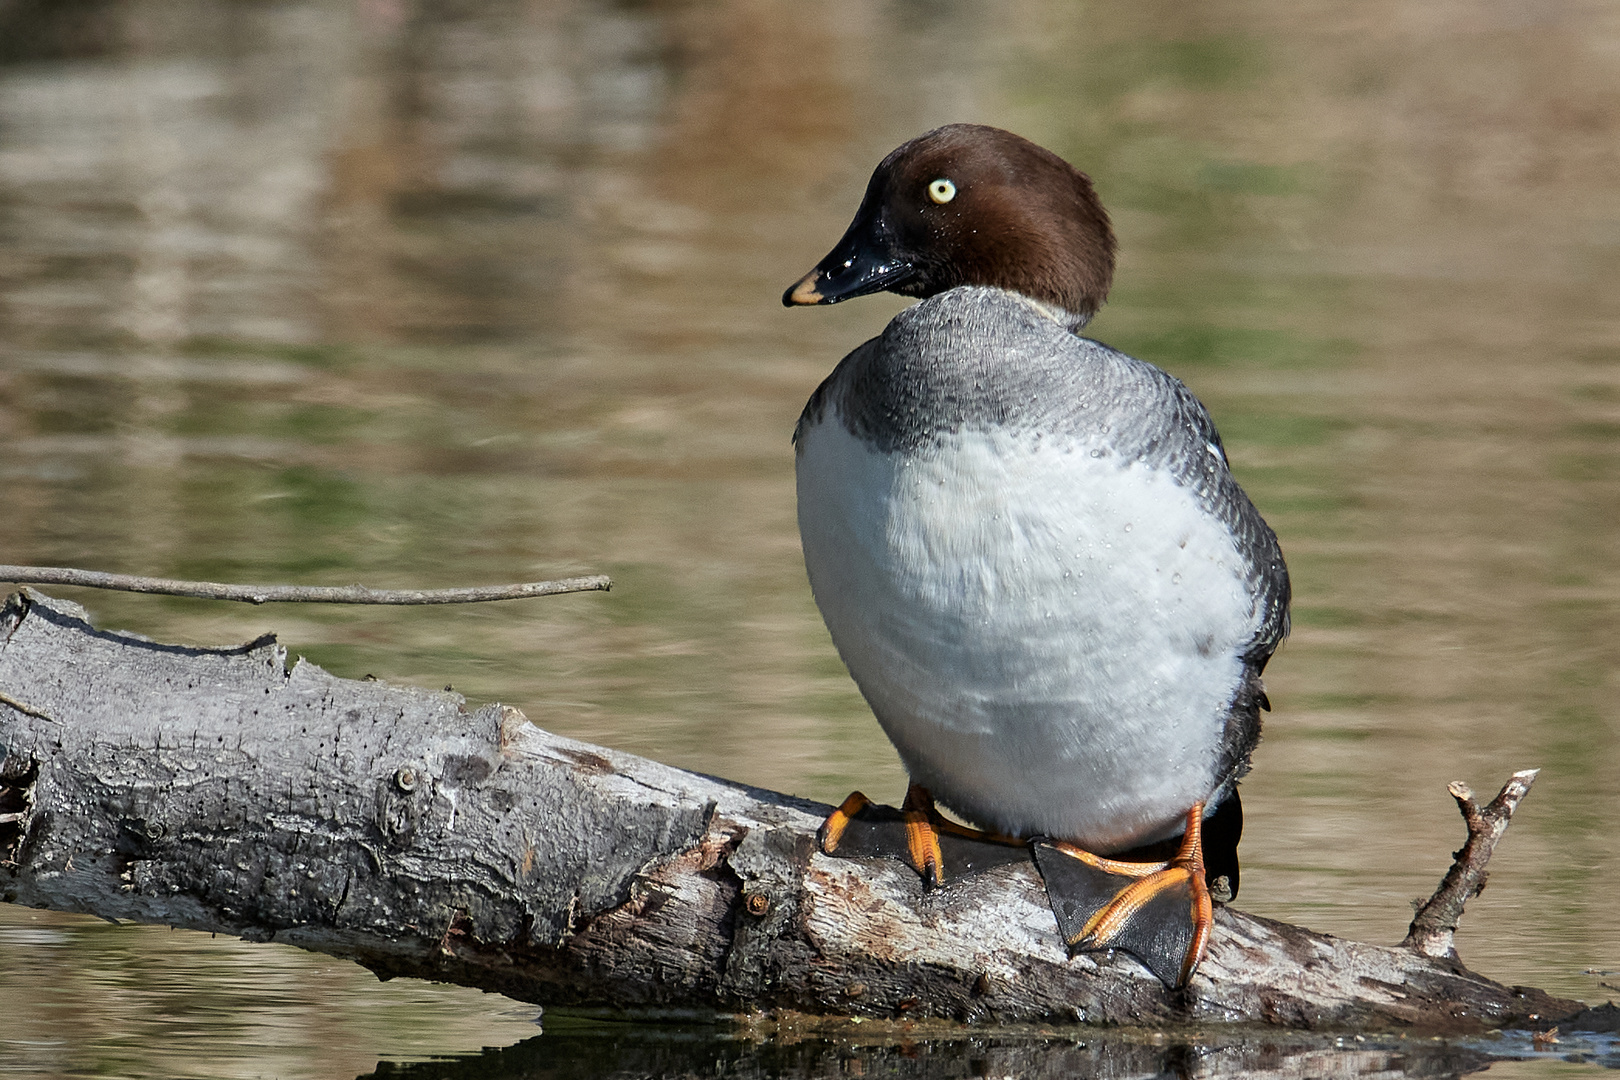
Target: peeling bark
[214, 789]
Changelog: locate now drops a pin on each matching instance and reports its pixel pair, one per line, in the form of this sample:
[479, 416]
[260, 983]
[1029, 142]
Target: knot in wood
[143, 829]
[402, 802]
[758, 904]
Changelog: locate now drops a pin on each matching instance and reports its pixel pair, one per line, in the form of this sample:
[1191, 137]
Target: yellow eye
[942, 191]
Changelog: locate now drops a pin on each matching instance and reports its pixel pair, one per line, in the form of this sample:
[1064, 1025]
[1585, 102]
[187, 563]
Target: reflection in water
[436, 294]
[680, 1054]
[84, 998]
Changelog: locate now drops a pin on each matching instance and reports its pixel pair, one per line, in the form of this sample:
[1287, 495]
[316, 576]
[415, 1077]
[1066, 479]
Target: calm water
[436, 294]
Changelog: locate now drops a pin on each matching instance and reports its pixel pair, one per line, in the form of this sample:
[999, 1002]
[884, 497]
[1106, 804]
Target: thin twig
[302, 594]
[1435, 924]
[24, 707]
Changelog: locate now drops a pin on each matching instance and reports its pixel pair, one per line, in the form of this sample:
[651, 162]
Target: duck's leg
[918, 835]
[923, 824]
[1160, 913]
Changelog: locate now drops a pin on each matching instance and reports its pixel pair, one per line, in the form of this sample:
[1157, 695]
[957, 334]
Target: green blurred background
[441, 293]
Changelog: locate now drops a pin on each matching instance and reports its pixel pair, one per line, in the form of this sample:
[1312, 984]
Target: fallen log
[215, 789]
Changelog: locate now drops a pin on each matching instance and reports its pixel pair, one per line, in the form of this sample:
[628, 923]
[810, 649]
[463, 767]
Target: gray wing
[1151, 416]
[1191, 448]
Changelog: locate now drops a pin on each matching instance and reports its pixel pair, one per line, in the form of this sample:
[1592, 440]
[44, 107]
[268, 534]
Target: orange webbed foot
[1160, 913]
[918, 835]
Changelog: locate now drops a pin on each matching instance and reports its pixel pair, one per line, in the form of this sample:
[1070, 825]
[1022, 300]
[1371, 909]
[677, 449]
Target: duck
[1032, 556]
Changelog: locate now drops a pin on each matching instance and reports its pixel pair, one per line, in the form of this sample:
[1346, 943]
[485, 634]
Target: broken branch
[297, 594]
[1435, 924]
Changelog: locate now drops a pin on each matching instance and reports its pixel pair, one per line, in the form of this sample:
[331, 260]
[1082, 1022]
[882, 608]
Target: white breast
[1049, 636]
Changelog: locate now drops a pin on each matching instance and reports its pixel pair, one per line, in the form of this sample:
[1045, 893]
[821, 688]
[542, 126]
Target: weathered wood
[216, 790]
